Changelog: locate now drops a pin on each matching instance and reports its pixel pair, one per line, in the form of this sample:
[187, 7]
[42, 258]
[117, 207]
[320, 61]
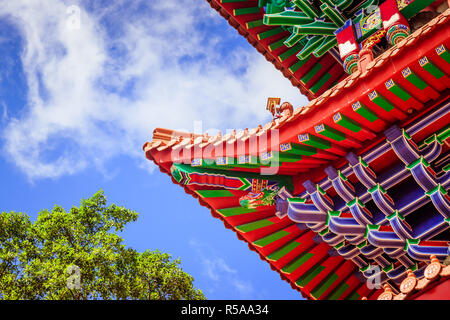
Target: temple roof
[346, 154]
[294, 250]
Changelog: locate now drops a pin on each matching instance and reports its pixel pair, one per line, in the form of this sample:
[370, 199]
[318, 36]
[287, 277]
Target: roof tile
[350, 83]
[370, 65]
[364, 74]
[162, 148]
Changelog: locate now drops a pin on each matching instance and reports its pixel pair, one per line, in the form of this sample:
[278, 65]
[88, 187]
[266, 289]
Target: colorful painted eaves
[311, 75]
[396, 87]
[315, 259]
[376, 132]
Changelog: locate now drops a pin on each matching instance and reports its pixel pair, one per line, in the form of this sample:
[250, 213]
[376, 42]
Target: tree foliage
[79, 255]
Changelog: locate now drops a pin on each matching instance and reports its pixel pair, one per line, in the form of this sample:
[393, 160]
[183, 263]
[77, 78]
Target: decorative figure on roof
[373, 39]
[285, 110]
[260, 195]
[366, 54]
[272, 105]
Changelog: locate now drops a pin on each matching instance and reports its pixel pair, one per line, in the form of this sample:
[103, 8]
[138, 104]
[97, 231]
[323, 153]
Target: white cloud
[98, 92]
[4, 112]
[219, 272]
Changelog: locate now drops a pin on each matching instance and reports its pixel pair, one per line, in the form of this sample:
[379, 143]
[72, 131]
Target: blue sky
[81, 92]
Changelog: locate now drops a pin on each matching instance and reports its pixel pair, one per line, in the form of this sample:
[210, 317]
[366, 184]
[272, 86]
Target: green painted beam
[270, 238]
[223, 163]
[289, 53]
[215, 193]
[287, 157]
[230, 212]
[329, 2]
[254, 24]
[380, 101]
[444, 133]
[396, 89]
[353, 296]
[280, 253]
[248, 160]
[313, 43]
[273, 6]
[292, 266]
[443, 53]
[343, 4]
[415, 7]
[319, 84]
[308, 276]
[297, 65]
[298, 149]
[269, 33]
[333, 14]
[242, 11]
[327, 44]
[277, 44]
[293, 39]
[329, 132]
[314, 141]
[286, 18]
[232, 163]
[431, 68]
[414, 78]
[311, 73]
[254, 225]
[363, 111]
[317, 28]
[307, 8]
[346, 122]
[338, 291]
[324, 285]
[324, 232]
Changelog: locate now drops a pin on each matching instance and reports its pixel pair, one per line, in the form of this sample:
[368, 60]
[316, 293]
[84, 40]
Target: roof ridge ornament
[272, 104]
[285, 110]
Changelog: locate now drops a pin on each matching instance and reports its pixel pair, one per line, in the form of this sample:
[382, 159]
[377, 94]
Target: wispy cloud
[4, 116]
[98, 91]
[217, 270]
